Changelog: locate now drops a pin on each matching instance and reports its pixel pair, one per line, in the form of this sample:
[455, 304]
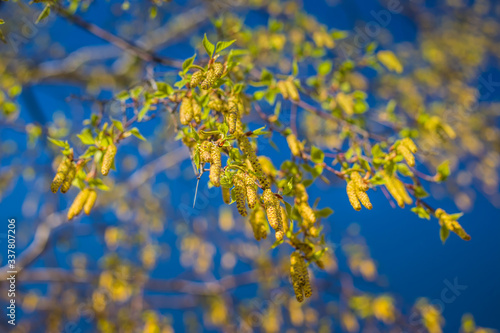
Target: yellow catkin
[249, 152]
[218, 69]
[258, 223]
[295, 274]
[186, 111]
[107, 160]
[393, 190]
[409, 144]
[283, 90]
[205, 152]
[216, 103]
[196, 111]
[226, 195]
[284, 218]
[209, 80]
[364, 199]
[77, 205]
[70, 176]
[292, 91]
[279, 231]
[294, 145]
[89, 203]
[307, 213]
[300, 192]
[270, 205]
[359, 181]
[400, 187]
[62, 171]
[215, 165]
[196, 79]
[305, 277]
[232, 117]
[240, 193]
[351, 194]
[239, 127]
[251, 189]
[407, 154]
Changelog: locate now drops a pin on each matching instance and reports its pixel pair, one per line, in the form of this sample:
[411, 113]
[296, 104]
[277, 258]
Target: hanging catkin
[249, 152]
[218, 69]
[215, 165]
[62, 171]
[77, 205]
[186, 111]
[240, 193]
[196, 79]
[68, 180]
[108, 159]
[294, 145]
[226, 195]
[251, 189]
[89, 203]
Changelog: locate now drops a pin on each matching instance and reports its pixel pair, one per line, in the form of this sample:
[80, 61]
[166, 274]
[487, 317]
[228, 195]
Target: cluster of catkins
[407, 148]
[397, 189]
[300, 277]
[356, 191]
[66, 173]
[302, 204]
[207, 80]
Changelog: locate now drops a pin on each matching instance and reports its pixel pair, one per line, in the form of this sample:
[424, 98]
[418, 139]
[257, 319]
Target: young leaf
[187, 63]
[444, 233]
[135, 132]
[223, 45]
[144, 110]
[45, 12]
[209, 47]
[317, 155]
[443, 171]
[59, 143]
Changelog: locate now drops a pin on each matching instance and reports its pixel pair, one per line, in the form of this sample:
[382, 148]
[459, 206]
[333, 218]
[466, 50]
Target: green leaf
[135, 132]
[404, 170]
[223, 45]
[325, 212]
[317, 155]
[209, 47]
[90, 152]
[118, 124]
[144, 110]
[187, 63]
[421, 212]
[45, 12]
[2, 21]
[59, 143]
[443, 171]
[260, 131]
[444, 233]
[325, 67]
[86, 137]
[288, 188]
[420, 192]
[123, 95]
[181, 83]
[295, 68]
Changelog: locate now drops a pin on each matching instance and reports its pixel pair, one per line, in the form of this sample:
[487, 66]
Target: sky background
[408, 250]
